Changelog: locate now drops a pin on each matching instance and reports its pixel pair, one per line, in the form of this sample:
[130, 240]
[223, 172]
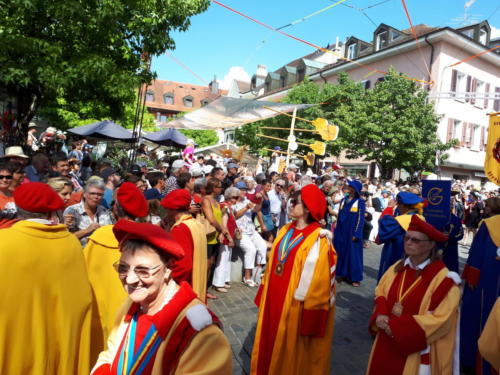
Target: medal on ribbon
[285, 247]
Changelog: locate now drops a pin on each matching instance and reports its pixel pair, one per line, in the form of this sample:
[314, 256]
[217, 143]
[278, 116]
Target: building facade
[462, 94]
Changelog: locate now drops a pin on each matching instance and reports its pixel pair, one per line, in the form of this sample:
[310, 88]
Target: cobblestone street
[351, 342]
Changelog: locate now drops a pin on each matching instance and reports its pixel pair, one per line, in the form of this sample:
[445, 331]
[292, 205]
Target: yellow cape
[439, 325]
[294, 354]
[46, 301]
[100, 253]
[199, 273]
[489, 342]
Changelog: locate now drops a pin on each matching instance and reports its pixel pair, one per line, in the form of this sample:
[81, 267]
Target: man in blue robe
[482, 288]
[455, 232]
[348, 235]
[393, 225]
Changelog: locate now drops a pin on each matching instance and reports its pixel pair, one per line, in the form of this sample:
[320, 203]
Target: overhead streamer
[362, 10]
[311, 15]
[414, 34]
[315, 46]
[175, 59]
[473, 56]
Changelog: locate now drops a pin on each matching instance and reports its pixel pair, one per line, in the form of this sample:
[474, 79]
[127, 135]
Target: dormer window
[204, 102]
[301, 74]
[150, 96]
[168, 98]
[381, 40]
[395, 35]
[188, 101]
[483, 36]
[351, 51]
[282, 81]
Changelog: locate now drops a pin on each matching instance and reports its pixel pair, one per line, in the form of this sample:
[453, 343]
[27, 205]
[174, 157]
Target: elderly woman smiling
[163, 327]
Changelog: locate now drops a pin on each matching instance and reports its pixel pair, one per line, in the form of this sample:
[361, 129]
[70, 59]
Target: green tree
[84, 51]
[392, 124]
[202, 138]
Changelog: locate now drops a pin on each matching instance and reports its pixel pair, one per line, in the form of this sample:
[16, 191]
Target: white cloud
[495, 32]
[235, 72]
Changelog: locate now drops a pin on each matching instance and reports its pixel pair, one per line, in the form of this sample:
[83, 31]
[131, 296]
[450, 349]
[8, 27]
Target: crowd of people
[80, 235]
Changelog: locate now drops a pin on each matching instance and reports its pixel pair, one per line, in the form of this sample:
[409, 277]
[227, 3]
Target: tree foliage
[392, 124]
[86, 51]
[202, 138]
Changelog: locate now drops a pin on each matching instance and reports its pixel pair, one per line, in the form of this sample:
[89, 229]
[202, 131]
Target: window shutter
[449, 133]
[496, 103]
[470, 137]
[467, 88]
[464, 133]
[473, 88]
[483, 137]
[486, 92]
[368, 84]
[454, 80]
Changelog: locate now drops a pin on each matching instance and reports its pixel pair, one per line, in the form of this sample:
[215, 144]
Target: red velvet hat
[315, 201]
[132, 200]
[37, 197]
[179, 199]
[418, 225]
[149, 233]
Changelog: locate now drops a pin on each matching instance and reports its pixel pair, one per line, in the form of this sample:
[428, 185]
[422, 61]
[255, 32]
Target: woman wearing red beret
[296, 299]
[416, 310]
[163, 327]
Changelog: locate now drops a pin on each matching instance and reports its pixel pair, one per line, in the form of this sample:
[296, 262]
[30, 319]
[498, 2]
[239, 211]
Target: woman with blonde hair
[64, 188]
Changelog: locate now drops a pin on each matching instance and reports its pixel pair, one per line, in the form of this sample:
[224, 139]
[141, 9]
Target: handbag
[209, 228]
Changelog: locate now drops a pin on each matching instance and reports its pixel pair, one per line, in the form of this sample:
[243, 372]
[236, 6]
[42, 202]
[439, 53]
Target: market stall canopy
[226, 112]
[104, 130]
[167, 137]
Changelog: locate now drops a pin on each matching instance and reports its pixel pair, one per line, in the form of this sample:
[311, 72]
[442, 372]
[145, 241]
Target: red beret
[37, 197]
[315, 201]
[179, 199]
[132, 200]
[149, 233]
[418, 225]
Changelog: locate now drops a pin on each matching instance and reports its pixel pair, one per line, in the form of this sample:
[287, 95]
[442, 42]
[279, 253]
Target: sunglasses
[294, 202]
[414, 240]
[281, 186]
[6, 176]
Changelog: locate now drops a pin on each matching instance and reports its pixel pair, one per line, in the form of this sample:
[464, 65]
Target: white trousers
[222, 272]
[254, 249]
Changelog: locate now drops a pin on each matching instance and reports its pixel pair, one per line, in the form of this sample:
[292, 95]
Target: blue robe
[455, 233]
[483, 270]
[392, 235]
[350, 253]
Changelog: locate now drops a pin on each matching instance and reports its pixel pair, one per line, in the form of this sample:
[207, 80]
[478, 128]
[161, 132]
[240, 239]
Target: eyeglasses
[6, 176]
[414, 240]
[96, 194]
[236, 197]
[281, 186]
[141, 272]
[294, 202]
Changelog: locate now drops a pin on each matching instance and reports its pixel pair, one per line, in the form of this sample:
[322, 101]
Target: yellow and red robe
[296, 307]
[489, 342]
[179, 339]
[424, 336]
[101, 252]
[193, 267]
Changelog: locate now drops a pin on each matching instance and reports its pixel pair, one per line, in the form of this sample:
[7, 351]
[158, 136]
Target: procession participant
[190, 234]
[162, 328]
[416, 310]
[489, 342]
[296, 299]
[46, 320]
[455, 232]
[348, 238]
[393, 225]
[482, 280]
[102, 251]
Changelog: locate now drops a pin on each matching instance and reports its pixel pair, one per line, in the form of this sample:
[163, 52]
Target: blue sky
[219, 40]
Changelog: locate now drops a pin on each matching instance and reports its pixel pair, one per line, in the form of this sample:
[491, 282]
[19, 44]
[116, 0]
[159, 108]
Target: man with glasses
[102, 251]
[416, 309]
[277, 197]
[89, 214]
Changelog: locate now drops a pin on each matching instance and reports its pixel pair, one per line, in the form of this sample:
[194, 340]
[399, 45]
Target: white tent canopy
[225, 113]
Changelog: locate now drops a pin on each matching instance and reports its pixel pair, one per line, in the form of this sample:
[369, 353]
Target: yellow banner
[492, 160]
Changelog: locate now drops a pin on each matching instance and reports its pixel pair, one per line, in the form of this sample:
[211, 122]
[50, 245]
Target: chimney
[214, 86]
[260, 75]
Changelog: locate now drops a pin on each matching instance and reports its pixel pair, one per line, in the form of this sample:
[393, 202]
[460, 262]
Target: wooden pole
[292, 126]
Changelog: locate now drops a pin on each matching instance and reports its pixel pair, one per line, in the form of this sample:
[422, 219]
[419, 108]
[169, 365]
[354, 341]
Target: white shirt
[275, 200]
[420, 267]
